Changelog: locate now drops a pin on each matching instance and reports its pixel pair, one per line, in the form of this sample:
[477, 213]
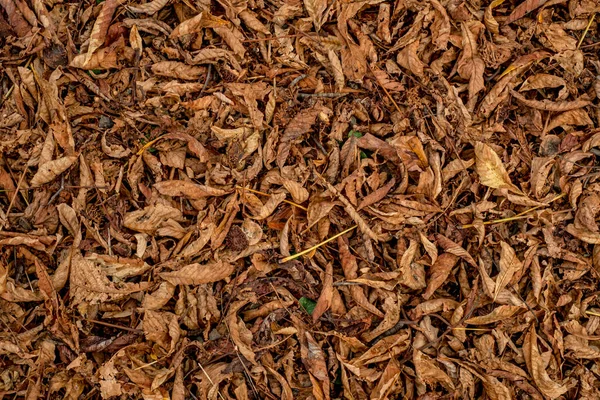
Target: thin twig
[125, 328]
[293, 257]
[14, 197]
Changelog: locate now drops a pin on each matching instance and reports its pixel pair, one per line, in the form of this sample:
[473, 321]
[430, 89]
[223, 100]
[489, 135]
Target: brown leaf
[52, 169]
[350, 267]
[525, 7]
[315, 9]
[188, 189]
[324, 302]
[509, 266]
[470, 64]
[197, 23]
[90, 284]
[490, 168]
[537, 369]
[100, 28]
[555, 106]
[196, 274]
[453, 248]
[297, 127]
[377, 195]
[409, 59]
[498, 314]
[174, 69]
[439, 272]
[151, 7]
[150, 218]
[428, 372]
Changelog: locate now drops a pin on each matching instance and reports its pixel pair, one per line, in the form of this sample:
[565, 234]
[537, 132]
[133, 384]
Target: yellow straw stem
[587, 28]
[293, 257]
[518, 216]
[595, 314]
[267, 194]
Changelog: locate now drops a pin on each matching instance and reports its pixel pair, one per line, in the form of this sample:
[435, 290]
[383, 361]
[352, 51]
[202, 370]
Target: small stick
[14, 197]
[125, 328]
[293, 257]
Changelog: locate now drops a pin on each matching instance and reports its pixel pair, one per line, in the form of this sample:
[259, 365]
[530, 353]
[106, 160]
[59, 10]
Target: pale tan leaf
[388, 379]
[412, 273]
[509, 266]
[233, 37]
[162, 328]
[90, 284]
[252, 22]
[490, 168]
[428, 372]
[430, 248]
[103, 58]
[196, 274]
[555, 106]
[453, 248]
[150, 218]
[240, 334]
[470, 64]
[52, 169]
[174, 69]
[542, 81]
[68, 218]
[408, 59]
[100, 28]
[197, 23]
[150, 7]
[350, 267]
[338, 73]
[455, 166]
[270, 206]
[188, 189]
[315, 9]
[584, 234]
[298, 193]
[578, 117]
[119, 267]
[160, 297]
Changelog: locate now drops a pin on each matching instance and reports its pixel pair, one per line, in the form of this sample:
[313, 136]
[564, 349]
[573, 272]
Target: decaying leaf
[490, 168]
[51, 169]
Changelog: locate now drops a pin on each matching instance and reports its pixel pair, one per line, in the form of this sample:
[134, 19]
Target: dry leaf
[537, 368]
[440, 270]
[188, 189]
[490, 168]
[196, 274]
[50, 170]
[509, 266]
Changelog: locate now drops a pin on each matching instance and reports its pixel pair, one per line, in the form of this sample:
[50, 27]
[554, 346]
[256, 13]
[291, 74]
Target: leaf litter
[299, 199]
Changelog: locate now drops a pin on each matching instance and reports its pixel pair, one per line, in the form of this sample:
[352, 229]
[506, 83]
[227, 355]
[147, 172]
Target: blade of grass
[294, 256]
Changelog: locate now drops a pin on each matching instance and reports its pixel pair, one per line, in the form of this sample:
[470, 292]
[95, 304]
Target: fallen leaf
[196, 274]
[490, 168]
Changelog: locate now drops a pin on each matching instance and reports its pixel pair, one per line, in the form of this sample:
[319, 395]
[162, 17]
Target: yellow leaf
[490, 169]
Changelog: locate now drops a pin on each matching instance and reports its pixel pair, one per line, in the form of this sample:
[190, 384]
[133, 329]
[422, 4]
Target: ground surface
[264, 199]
